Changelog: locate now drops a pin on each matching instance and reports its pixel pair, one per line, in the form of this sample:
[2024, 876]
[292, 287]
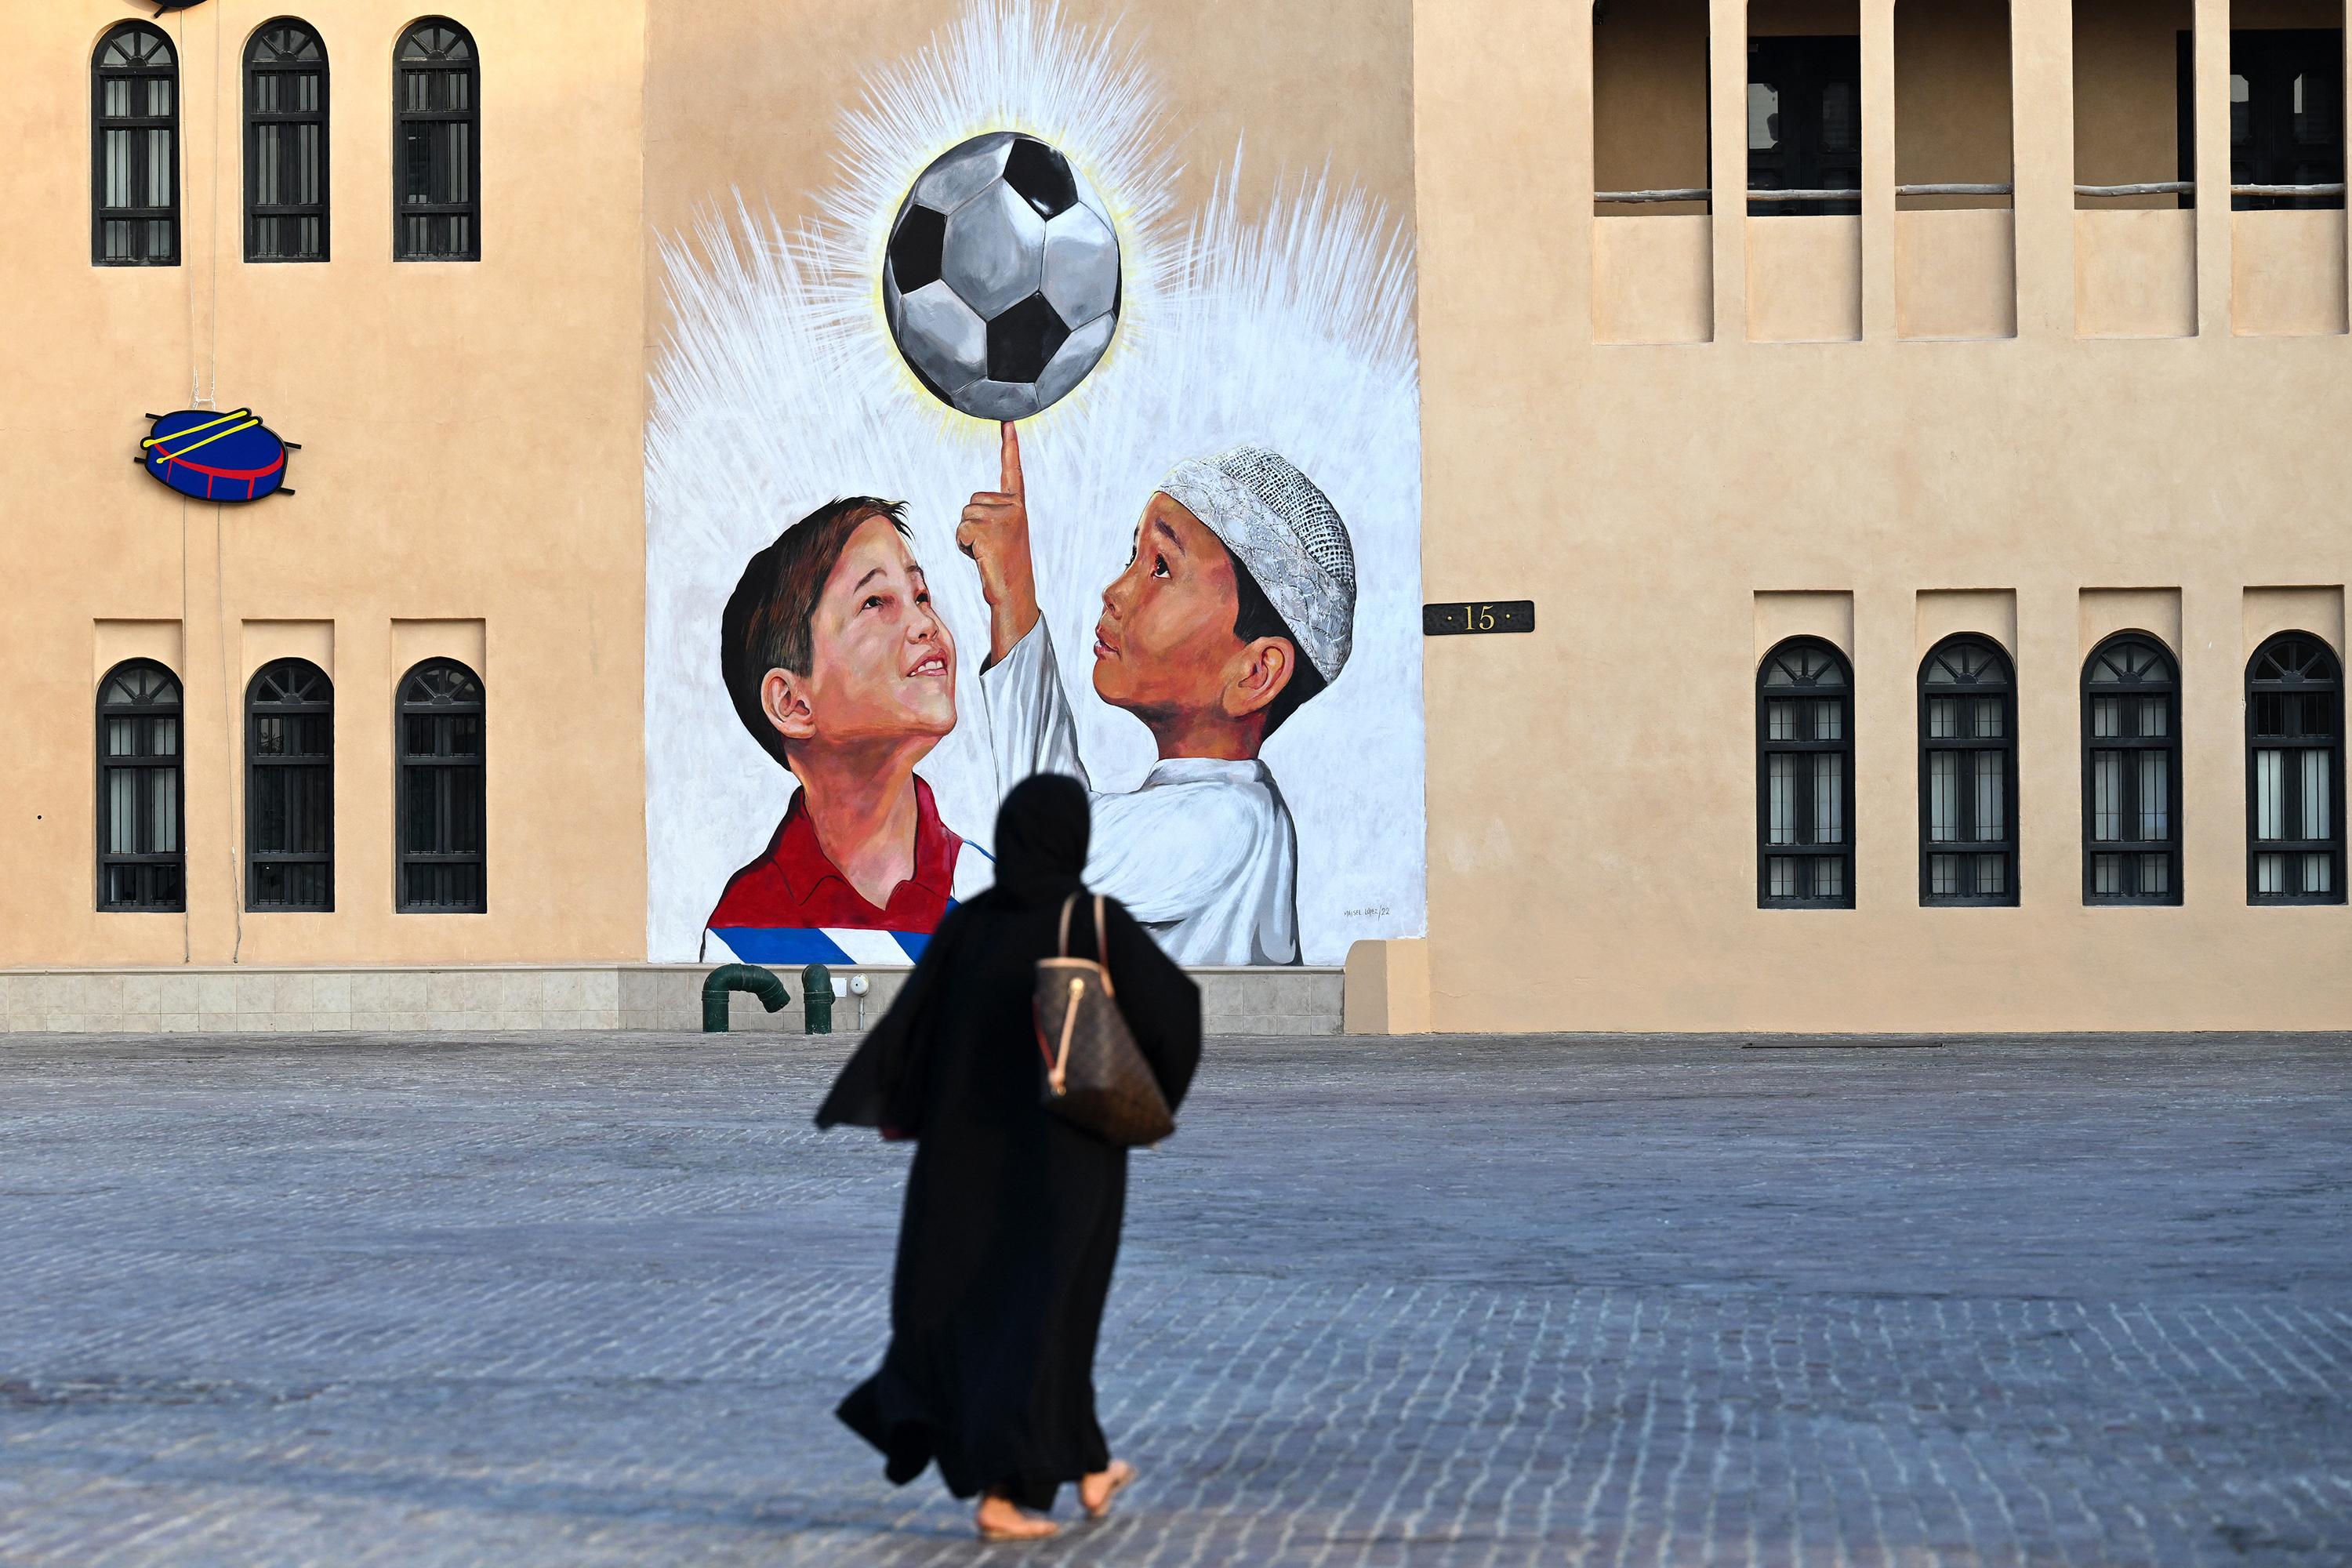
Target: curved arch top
[285, 40]
[1806, 662]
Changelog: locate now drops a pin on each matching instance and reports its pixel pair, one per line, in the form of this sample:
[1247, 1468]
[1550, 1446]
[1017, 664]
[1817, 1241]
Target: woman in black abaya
[1013, 1215]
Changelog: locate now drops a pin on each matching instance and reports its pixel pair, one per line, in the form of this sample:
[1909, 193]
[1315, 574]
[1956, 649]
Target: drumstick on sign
[152, 440]
[209, 456]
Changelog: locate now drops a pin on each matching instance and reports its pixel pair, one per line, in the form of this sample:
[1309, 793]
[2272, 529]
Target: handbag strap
[1102, 948]
[1102, 939]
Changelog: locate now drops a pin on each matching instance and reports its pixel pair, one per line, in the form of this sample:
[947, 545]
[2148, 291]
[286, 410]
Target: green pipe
[738, 977]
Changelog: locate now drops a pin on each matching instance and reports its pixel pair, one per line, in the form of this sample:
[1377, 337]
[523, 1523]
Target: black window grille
[286, 144]
[143, 861]
[437, 148]
[2295, 765]
[444, 867]
[135, 149]
[289, 788]
[2131, 773]
[1804, 778]
[1968, 775]
[1804, 122]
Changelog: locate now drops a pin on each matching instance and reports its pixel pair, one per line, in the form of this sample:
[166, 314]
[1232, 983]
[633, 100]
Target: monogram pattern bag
[1096, 1079]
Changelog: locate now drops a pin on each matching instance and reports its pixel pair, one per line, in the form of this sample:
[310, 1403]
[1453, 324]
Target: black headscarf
[1041, 839]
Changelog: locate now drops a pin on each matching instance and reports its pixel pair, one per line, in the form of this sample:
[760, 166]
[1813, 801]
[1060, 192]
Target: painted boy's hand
[994, 532]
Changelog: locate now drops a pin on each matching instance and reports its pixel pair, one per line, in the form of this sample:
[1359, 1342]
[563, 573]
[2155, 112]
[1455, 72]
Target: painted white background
[779, 389]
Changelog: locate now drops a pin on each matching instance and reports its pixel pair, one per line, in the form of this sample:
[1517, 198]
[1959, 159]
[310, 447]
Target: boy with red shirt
[840, 668]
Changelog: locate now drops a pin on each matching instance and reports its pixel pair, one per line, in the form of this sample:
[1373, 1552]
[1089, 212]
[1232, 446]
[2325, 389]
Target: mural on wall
[1002, 463]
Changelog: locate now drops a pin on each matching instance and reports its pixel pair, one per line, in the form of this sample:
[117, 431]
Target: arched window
[1968, 775]
[2294, 761]
[286, 144]
[443, 867]
[142, 861]
[437, 145]
[1804, 785]
[2131, 770]
[290, 787]
[135, 149]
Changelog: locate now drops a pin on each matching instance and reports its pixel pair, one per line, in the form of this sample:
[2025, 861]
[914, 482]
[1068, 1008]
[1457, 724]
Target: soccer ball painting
[1001, 283]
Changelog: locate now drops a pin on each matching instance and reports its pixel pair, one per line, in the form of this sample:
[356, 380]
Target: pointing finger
[1010, 483]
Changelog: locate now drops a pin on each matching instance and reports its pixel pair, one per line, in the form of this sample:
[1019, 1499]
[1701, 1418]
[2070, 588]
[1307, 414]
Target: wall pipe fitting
[730, 977]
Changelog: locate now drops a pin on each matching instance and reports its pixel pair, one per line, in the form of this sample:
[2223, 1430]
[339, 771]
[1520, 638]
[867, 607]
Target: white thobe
[1202, 852]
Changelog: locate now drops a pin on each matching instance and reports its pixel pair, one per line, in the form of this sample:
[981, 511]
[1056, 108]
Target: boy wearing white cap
[1238, 605]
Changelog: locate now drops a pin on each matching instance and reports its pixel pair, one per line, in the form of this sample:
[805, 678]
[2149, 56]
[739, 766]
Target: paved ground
[523, 1300]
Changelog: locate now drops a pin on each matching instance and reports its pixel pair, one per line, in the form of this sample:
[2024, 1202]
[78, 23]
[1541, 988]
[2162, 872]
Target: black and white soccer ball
[1002, 282]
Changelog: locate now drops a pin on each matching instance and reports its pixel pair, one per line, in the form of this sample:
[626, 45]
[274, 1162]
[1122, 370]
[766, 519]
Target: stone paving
[590, 1300]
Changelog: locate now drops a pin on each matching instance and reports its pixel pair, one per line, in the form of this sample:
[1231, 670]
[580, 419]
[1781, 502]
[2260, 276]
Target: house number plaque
[1465, 618]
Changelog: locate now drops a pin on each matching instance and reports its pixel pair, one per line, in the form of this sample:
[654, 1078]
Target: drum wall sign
[210, 456]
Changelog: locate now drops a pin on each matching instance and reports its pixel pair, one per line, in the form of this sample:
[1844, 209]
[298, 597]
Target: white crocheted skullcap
[1281, 526]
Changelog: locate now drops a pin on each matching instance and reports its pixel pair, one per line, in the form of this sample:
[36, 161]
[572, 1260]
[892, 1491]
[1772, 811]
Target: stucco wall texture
[1592, 788]
[1674, 503]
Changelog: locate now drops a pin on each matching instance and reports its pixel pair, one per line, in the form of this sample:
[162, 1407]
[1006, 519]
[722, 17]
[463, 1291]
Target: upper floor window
[1804, 744]
[437, 145]
[2131, 765]
[1952, 137]
[135, 149]
[2294, 756]
[1650, 154]
[2135, 143]
[2286, 117]
[289, 788]
[142, 860]
[443, 867]
[1968, 775]
[286, 144]
[1804, 120]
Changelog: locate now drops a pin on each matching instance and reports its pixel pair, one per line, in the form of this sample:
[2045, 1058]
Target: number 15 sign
[1465, 618]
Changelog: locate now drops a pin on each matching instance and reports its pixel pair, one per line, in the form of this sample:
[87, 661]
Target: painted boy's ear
[785, 699]
[1265, 667]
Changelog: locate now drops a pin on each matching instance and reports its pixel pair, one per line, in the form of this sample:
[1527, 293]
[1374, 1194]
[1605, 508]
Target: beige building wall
[2135, 428]
[468, 484]
[1592, 787]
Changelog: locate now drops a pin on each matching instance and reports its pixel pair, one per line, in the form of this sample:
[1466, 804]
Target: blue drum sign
[211, 455]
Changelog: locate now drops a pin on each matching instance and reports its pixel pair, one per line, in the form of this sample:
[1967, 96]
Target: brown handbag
[1096, 1079]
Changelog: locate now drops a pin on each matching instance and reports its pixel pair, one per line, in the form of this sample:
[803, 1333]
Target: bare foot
[1097, 1490]
[999, 1520]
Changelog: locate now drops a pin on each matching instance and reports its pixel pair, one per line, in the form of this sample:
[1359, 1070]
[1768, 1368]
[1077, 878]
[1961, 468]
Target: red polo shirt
[793, 885]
